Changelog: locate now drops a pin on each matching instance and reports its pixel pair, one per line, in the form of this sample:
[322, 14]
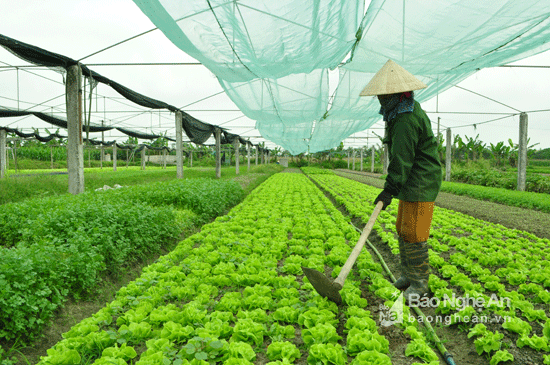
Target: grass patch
[45, 182]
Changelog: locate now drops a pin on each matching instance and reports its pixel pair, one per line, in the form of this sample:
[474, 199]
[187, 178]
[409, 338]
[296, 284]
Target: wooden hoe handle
[359, 246]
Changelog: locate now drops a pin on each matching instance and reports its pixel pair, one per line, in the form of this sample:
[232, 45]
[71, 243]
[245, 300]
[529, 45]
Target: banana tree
[500, 153]
[460, 148]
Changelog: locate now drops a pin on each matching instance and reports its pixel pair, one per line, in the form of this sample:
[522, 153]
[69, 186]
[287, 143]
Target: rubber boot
[403, 282]
[418, 270]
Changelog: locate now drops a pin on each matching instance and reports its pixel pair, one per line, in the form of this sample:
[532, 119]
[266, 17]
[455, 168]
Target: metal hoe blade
[325, 287]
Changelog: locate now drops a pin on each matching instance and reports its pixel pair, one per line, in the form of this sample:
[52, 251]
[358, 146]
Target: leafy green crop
[326, 353]
[535, 342]
[487, 341]
[283, 351]
[184, 305]
[320, 333]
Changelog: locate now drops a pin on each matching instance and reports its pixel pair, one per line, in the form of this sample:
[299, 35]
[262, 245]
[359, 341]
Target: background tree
[500, 153]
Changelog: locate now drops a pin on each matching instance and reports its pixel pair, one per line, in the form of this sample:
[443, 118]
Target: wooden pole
[2, 153]
[114, 156]
[15, 155]
[102, 151]
[248, 156]
[237, 146]
[448, 155]
[438, 123]
[522, 152]
[217, 134]
[75, 158]
[179, 145]
[143, 158]
[372, 159]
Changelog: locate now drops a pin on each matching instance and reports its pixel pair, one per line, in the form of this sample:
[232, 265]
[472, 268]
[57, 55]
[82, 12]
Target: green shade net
[272, 57]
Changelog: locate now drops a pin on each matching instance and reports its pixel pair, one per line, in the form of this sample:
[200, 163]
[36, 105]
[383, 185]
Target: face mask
[390, 102]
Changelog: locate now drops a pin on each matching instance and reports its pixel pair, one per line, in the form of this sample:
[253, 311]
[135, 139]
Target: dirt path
[527, 220]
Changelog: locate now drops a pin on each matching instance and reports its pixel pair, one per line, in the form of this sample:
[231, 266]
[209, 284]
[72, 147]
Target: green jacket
[414, 170]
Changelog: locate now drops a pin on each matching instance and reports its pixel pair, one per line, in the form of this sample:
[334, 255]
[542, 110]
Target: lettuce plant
[518, 326]
[326, 353]
[371, 357]
[277, 332]
[314, 316]
[286, 314]
[176, 332]
[420, 348]
[501, 356]
[320, 333]
[535, 342]
[246, 330]
[358, 341]
[283, 350]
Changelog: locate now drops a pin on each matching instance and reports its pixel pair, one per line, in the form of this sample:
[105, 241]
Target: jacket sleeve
[404, 138]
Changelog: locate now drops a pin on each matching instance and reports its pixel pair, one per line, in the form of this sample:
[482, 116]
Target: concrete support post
[348, 159]
[248, 156]
[361, 159]
[353, 156]
[257, 155]
[179, 145]
[114, 156]
[164, 159]
[190, 158]
[373, 153]
[2, 153]
[448, 152]
[51, 157]
[522, 152]
[217, 134]
[101, 157]
[237, 145]
[143, 158]
[75, 150]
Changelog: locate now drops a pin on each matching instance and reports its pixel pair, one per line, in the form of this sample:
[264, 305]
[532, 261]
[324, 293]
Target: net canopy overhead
[272, 57]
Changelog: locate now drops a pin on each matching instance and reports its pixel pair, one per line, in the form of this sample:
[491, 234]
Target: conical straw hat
[392, 79]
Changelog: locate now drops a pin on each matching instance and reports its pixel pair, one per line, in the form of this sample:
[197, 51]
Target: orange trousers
[414, 220]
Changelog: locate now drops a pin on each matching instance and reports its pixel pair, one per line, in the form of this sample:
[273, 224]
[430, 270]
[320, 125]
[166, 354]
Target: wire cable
[117, 44]
[486, 97]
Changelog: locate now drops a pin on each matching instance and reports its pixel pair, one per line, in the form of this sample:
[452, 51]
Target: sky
[79, 28]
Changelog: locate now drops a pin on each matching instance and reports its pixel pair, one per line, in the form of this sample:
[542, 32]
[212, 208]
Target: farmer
[414, 171]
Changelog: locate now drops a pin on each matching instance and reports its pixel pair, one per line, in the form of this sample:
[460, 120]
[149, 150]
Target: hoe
[325, 286]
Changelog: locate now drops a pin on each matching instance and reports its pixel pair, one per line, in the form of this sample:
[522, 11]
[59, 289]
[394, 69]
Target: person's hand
[384, 197]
